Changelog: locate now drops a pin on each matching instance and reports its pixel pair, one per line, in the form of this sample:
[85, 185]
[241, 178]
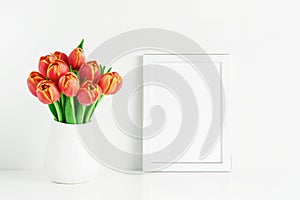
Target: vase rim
[66, 124]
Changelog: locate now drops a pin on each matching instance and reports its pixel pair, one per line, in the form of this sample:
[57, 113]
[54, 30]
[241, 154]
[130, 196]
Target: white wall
[262, 36]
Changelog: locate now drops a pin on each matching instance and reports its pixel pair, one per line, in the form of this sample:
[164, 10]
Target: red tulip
[110, 83]
[44, 63]
[89, 71]
[56, 69]
[69, 84]
[33, 80]
[76, 58]
[61, 56]
[88, 93]
[47, 92]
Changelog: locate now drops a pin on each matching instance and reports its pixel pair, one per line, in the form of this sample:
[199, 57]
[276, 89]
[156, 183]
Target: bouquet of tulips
[72, 87]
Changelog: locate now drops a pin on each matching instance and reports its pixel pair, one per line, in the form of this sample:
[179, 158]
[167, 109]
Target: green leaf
[109, 70]
[88, 112]
[58, 111]
[80, 113]
[81, 44]
[70, 110]
[101, 70]
[91, 109]
[53, 110]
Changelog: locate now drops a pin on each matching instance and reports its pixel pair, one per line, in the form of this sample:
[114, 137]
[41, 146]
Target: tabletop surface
[108, 184]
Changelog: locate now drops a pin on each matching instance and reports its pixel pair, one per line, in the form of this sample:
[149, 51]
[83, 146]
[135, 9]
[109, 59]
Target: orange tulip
[33, 80]
[44, 63]
[69, 84]
[56, 69]
[110, 83]
[47, 92]
[88, 93]
[89, 71]
[61, 56]
[76, 58]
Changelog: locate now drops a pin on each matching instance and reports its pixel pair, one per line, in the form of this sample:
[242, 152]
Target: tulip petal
[113, 86]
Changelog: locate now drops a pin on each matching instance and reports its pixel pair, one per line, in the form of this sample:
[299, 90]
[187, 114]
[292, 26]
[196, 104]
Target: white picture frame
[219, 159]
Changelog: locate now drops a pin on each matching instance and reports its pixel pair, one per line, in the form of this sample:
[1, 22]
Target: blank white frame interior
[219, 158]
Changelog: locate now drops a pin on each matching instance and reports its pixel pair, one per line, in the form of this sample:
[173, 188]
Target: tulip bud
[89, 71]
[47, 92]
[56, 69]
[44, 63]
[69, 84]
[110, 83]
[33, 80]
[88, 93]
[61, 56]
[76, 58]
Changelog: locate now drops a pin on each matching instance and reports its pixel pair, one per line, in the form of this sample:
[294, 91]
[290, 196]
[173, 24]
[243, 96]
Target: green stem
[62, 103]
[53, 110]
[91, 109]
[70, 110]
[58, 111]
[88, 113]
[80, 113]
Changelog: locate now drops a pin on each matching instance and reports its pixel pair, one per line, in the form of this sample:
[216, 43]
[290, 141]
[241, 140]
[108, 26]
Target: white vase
[67, 160]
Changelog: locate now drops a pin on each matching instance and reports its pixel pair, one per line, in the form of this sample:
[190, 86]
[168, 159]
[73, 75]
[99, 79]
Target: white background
[262, 36]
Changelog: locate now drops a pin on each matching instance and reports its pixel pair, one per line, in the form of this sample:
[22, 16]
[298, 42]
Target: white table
[34, 185]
